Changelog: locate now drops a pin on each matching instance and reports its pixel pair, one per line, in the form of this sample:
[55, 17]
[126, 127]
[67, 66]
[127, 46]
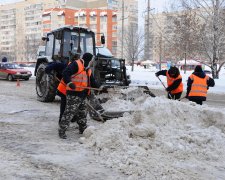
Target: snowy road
[30, 147]
[166, 140]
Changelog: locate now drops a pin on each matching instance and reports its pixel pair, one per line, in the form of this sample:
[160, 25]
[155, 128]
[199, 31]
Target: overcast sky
[158, 5]
[8, 1]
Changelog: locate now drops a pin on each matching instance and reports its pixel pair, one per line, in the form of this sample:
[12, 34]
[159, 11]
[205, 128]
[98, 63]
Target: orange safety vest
[199, 86]
[62, 86]
[80, 79]
[170, 81]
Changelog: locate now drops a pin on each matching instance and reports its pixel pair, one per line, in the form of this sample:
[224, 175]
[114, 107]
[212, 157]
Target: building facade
[21, 28]
[24, 23]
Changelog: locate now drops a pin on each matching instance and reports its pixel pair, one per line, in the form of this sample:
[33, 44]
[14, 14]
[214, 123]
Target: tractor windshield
[86, 43]
[71, 43]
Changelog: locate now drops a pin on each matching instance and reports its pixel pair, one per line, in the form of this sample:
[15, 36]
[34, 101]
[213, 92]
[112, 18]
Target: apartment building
[100, 21]
[20, 28]
[23, 23]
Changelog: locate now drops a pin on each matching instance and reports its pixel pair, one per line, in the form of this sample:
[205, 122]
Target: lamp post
[122, 28]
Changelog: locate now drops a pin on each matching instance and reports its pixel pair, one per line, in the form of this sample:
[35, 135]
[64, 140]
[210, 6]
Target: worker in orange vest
[77, 77]
[198, 85]
[174, 82]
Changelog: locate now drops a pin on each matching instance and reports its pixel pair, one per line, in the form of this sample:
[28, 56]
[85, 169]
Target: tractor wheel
[45, 85]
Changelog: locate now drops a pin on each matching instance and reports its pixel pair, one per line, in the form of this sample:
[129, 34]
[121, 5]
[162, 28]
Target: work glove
[157, 74]
[167, 89]
[71, 85]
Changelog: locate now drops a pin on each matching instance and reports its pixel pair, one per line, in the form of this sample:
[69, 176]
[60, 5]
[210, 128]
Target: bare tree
[212, 16]
[134, 43]
[32, 44]
[186, 36]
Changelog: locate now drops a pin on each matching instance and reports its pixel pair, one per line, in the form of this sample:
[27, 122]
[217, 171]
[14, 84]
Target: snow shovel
[96, 112]
[164, 87]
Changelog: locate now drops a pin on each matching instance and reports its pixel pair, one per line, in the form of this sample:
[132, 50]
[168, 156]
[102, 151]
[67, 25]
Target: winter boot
[82, 128]
[62, 134]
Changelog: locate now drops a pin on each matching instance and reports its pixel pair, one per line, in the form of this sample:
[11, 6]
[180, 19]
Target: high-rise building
[21, 28]
[23, 23]
[100, 21]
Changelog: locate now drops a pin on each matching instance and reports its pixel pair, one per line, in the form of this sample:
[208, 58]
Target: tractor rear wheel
[45, 85]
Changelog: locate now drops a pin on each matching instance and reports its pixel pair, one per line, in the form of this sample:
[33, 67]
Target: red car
[13, 71]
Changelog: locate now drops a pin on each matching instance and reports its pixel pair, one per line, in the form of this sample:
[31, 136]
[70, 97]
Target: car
[11, 71]
[207, 72]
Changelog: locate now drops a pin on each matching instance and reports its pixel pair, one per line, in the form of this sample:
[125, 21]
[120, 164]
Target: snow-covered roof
[46, 13]
[79, 13]
[104, 13]
[188, 62]
[92, 13]
[60, 13]
[147, 62]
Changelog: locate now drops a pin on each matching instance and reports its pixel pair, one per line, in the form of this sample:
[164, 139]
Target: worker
[198, 85]
[174, 82]
[58, 67]
[78, 78]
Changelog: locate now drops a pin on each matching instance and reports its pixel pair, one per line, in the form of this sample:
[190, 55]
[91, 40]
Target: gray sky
[8, 1]
[159, 5]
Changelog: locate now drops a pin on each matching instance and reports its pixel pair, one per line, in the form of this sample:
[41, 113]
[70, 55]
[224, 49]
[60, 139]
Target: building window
[93, 18]
[46, 18]
[114, 18]
[114, 27]
[103, 19]
[82, 18]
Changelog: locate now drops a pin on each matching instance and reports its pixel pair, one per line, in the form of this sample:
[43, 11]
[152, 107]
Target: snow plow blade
[107, 115]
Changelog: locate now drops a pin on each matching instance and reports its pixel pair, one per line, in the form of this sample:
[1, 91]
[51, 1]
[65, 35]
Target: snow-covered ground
[162, 139]
[147, 77]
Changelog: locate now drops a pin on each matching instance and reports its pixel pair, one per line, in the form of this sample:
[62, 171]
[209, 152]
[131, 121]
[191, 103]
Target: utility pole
[122, 29]
[215, 40]
[160, 52]
[147, 53]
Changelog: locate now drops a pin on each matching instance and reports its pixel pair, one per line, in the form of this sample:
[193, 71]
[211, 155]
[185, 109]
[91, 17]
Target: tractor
[61, 44]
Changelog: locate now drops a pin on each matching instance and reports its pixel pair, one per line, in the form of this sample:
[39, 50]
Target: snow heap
[163, 139]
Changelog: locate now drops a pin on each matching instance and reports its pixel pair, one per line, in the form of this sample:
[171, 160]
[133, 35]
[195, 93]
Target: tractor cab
[63, 42]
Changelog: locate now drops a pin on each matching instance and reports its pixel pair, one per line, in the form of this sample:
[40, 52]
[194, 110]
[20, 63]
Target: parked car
[13, 71]
[207, 72]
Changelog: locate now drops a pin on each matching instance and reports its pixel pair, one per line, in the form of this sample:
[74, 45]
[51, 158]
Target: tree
[32, 43]
[186, 35]
[134, 43]
[211, 14]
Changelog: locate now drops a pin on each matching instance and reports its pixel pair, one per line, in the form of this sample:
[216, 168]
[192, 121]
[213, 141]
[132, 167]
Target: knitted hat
[198, 68]
[87, 57]
[174, 71]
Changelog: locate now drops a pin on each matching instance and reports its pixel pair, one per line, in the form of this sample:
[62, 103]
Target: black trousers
[197, 101]
[174, 96]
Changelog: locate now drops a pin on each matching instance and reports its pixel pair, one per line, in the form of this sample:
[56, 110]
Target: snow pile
[186, 141]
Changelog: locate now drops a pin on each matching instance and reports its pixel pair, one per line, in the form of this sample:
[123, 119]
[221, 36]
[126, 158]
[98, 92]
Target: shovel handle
[164, 87]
